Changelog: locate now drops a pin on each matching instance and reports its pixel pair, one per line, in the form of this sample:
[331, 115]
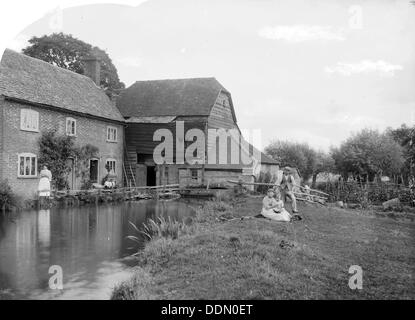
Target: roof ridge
[25, 56]
[175, 79]
[22, 76]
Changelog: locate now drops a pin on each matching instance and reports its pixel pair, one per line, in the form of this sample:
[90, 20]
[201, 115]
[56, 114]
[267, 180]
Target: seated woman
[273, 208]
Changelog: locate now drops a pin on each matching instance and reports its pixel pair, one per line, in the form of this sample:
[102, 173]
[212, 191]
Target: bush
[7, 198]
[54, 151]
[364, 194]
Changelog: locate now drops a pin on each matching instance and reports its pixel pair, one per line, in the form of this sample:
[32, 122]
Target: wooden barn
[181, 106]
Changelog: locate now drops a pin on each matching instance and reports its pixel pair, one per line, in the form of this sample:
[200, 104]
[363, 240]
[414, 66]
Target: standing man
[287, 186]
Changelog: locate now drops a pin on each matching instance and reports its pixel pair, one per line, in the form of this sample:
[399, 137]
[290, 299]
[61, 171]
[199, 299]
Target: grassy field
[261, 259]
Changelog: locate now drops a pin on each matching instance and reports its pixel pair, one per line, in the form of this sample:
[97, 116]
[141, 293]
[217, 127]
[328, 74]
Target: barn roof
[35, 81]
[173, 97]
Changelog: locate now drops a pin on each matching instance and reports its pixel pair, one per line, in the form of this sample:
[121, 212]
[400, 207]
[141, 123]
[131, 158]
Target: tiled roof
[176, 97]
[29, 79]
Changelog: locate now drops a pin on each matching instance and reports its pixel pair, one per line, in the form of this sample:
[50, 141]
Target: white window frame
[26, 155]
[25, 114]
[115, 165]
[72, 120]
[109, 139]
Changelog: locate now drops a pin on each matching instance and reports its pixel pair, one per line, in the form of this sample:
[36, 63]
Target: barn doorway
[151, 176]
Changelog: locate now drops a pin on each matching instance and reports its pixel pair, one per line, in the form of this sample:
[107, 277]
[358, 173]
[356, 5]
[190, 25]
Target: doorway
[71, 174]
[93, 170]
[151, 176]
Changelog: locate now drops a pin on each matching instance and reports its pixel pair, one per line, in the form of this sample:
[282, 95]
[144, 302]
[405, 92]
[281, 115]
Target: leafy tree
[405, 136]
[368, 154]
[324, 162]
[294, 154]
[67, 52]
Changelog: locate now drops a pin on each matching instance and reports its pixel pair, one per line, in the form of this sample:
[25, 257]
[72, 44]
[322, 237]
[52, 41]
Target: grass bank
[260, 259]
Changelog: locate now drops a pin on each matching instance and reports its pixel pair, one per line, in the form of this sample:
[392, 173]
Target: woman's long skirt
[283, 215]
[44, 187]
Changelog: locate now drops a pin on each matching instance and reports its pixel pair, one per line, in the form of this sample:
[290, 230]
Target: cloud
[301, 33]
[130, 61]
[365, 66]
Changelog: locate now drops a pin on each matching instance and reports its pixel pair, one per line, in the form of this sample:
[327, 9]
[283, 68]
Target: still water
[89, 243]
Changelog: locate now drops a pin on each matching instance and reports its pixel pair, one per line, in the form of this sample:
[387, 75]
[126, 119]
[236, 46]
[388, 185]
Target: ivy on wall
[55, 151]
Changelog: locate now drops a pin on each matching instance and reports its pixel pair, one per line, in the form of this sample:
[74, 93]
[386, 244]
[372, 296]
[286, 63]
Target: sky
[306, 71]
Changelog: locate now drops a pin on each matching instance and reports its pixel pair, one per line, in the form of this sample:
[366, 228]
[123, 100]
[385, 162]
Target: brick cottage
[35, 97]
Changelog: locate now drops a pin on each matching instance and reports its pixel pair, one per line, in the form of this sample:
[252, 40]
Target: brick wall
[15, 141]
[1, 136]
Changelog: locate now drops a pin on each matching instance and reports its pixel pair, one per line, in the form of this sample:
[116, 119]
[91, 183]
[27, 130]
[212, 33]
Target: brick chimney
[92, 68]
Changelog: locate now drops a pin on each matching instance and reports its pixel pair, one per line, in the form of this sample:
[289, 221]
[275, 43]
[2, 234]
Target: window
[110, 166]
[111, 134]
[194, 174]
[224, 102]
[27, 165]
[70, 127]
[29, 120]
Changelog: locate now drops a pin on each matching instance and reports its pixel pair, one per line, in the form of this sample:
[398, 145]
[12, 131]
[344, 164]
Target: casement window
[70, 127]
[29, 120]
[110, 166]
[27, 165]
[111, 134]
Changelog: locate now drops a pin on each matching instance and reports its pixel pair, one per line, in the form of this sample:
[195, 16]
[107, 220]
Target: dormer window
[70, 127]
[29, 120]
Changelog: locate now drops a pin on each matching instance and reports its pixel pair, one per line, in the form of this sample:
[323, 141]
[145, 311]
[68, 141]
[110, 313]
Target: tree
[405, 136]
[324, 163]
[294, 154]
[368, 154]
[67, 52]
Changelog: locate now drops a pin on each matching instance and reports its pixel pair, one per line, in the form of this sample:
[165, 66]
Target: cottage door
[93, 170]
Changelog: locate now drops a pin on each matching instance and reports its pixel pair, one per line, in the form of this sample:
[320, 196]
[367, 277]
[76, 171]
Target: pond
[89, 243]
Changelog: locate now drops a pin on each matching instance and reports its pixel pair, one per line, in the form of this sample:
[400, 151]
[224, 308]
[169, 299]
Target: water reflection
[89, 243]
